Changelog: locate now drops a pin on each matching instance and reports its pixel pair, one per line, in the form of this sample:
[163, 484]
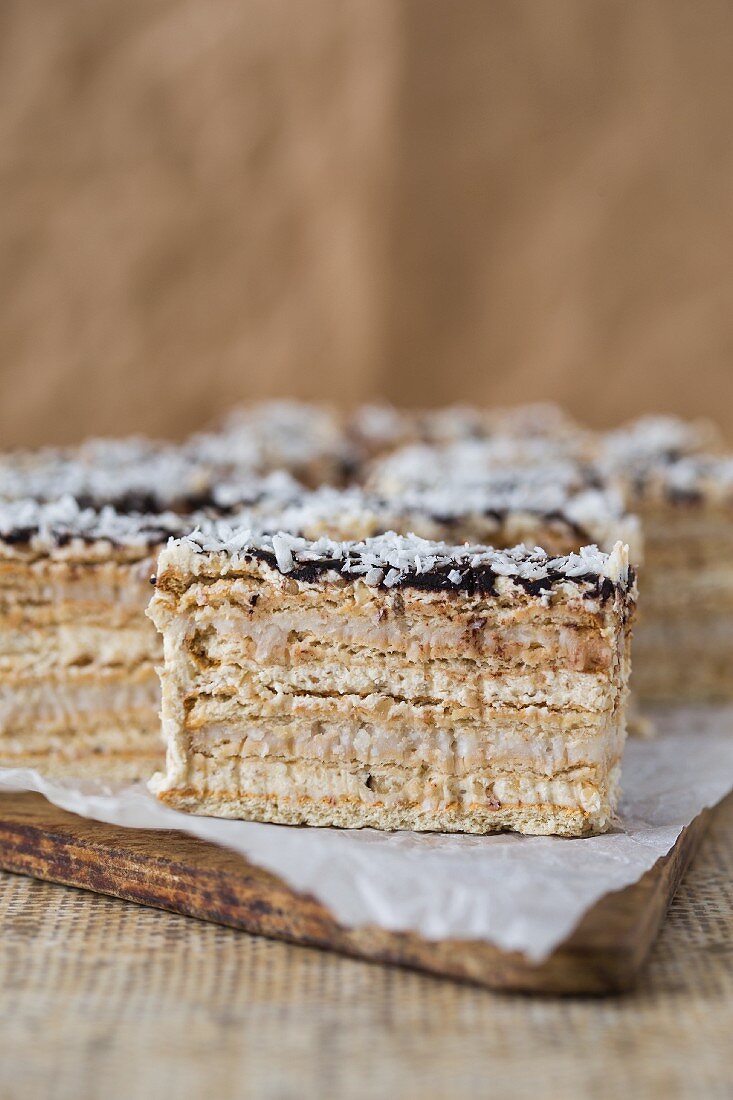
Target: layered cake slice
[684, 643]
[378, 429]
[675, 475]
[79, 693]
[78, 688]
[395, 682]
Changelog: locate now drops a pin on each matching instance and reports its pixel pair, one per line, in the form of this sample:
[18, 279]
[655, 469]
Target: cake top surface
[138, 476]
[387, 424]
[390, 559]
[657, 440]
[58, 523]
[550, 501]
[501, 464]
[270, 434]
[666, 458]
[133, 474]
[690, 479]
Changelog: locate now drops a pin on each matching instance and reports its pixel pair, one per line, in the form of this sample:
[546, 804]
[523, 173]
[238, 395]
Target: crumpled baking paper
[519, 893]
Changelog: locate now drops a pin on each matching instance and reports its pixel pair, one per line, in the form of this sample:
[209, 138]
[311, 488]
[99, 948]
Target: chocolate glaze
[479, 580]
[18, 535]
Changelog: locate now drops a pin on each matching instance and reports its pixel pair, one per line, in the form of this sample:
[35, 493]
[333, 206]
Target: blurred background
[419, 200]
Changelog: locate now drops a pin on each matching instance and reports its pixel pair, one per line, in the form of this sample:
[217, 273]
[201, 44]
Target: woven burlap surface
[103, 998]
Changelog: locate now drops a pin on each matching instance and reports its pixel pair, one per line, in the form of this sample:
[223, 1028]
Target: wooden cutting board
[172, 871]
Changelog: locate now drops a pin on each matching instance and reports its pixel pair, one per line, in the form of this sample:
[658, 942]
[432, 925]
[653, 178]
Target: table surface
[104, 998]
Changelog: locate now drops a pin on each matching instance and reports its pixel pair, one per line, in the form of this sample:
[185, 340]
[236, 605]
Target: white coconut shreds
[593, 516]
[521, 495]
[656, 439]
[707, 478]
[274, 491]
[497, 463]
[139, 475]
[47, 525]
[268, 434]
[104, 472]
[401, 556]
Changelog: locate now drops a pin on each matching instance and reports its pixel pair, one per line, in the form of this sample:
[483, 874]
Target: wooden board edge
[39, 840]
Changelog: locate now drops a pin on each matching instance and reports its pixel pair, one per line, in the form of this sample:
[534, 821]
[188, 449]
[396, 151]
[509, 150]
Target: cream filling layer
[392, 787]
[511, 643]
[22, 651]
[453, 685]
[465, 748]
[62, 705]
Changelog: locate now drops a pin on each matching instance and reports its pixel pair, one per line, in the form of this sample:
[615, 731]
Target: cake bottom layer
[574, 803]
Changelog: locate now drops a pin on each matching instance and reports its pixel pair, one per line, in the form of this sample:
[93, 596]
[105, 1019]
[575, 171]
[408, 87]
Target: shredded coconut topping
[137, 475]
[385, 426]
[656, 439]
[498, 464]
[271, 434]
[60, 522]
[593, 512]
[401, 557]
[692, 478]
[105, 472]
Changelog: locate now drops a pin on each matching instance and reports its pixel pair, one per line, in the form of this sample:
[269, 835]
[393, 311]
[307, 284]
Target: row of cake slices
[81, 528]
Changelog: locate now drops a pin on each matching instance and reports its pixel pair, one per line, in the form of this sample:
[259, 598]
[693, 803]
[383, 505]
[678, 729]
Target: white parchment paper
[520, 893]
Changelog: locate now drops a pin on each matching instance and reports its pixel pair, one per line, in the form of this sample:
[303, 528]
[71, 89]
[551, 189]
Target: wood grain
[183, 875]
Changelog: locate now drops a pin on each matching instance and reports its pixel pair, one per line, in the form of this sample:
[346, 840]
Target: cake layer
[448, 685]
[467, 745]
[73, 646]
[395, 682]
[393, 797]
[422, 625]
[103, 757]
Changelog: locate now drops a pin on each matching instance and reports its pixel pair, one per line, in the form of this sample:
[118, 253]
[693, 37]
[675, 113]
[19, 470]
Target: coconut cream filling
[389, 786]
[456, 751]
[63, 704]
[271, 636]
[63, 646]
[422, 686]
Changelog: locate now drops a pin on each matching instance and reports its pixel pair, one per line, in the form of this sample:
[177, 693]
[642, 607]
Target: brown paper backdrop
[425, 200]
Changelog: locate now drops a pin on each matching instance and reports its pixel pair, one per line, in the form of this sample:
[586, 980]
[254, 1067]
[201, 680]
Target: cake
[393, 682]
[482, 463]
[378, 429]
[683, 647]
[78, 657]
[80, 531]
